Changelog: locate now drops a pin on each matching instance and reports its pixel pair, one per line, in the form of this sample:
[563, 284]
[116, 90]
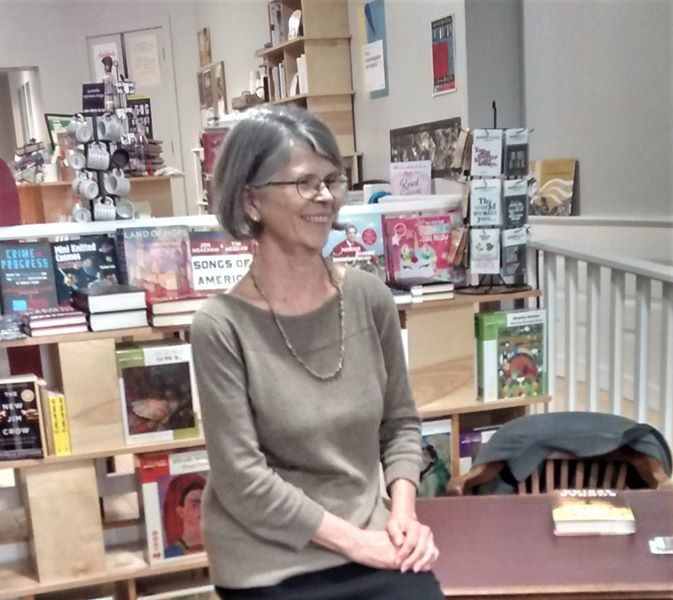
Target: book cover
[485, 202]
[436, 458]
[54, 316]
[513, 256]
[486, 153]
[485, 251]
[592, 512]
[410, 178]
[26, 277]
[418, 249]
[109, 298]
[516, 152]
[172, 485]
[511, 355]
[21, 433]
[515, 203]
[552, 187]
[359, 244]
[218, 261]
[156, 259]
[55, 414]
[157, 391]
[87, 262]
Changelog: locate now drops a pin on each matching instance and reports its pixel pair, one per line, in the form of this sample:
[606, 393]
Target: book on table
[109, 298]
[57, 316]
[592, 512]
[123, 319]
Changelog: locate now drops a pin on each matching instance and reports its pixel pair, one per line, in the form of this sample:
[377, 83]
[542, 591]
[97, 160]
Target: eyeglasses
[308, 186]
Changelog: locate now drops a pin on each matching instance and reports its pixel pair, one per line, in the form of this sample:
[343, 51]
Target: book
[88, 261]
[516, 152]
[359, 244]
[432, 297]
[418, 249]
[592, 512]
[486, 153]
[411, 177]
[171, 319]
[163, 306]
[436, 458]
[26, 277]
[218, 261]
[110, 298]
[55, 330]
[485, 202]
[156, 259]
[484, 251]
[552, 187]
[431, 289]
[470, 443]
[157, 391]
[55, 413]
[171, 486]
[21, 428]
[202, 592]
[510, 354]
[124, 319]
[51, 317]
[515, 203]
[513, 256]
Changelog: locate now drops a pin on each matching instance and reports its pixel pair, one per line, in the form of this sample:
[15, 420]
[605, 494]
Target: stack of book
[114, 306]
[59, 320]
[173, 312]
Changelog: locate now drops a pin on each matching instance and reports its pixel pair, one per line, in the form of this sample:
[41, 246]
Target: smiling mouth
[317, 218]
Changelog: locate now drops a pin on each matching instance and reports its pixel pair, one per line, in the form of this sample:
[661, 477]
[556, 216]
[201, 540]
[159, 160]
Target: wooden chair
[622, 469]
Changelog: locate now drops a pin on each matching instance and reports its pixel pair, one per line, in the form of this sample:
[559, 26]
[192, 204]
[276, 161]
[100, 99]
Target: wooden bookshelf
[295, 43]
[461, 299]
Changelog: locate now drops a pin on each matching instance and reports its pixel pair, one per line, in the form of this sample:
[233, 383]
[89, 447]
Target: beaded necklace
[293, 352]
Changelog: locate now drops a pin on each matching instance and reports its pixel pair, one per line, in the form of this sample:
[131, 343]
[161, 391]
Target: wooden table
[503, 547]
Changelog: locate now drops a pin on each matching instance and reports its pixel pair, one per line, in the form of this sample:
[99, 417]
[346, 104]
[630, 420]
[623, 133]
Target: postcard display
[99, 157]
[498, 206]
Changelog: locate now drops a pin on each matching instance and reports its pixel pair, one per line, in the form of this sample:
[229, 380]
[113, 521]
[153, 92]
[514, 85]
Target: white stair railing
[616, 353]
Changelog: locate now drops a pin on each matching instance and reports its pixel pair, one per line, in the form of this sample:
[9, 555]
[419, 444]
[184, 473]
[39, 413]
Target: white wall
[410, 100]
[7, 139]
[598, 87]
[237, 29]
[52, 37]
[17, 79]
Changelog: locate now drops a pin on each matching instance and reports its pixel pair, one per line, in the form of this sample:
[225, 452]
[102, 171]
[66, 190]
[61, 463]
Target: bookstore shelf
[297, 43]
[105, 452]
[466, 299]
[121, 564]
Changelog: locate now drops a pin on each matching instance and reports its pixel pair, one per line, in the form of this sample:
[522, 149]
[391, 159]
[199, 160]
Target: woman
[304, 391]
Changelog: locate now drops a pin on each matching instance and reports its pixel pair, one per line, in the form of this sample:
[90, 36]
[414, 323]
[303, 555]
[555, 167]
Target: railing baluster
[550, 304]
[641, 379]
[617, 288]
[571, 269]
[592, 339]
[666, 384]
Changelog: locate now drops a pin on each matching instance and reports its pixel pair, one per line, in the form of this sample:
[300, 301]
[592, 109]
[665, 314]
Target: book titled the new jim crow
[592, 512]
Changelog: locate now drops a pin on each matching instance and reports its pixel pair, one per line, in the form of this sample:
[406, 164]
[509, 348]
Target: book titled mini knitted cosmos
[592, 512]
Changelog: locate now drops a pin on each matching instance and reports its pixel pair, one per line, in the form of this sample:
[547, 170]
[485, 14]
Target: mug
[109, 128]
[81, 214]
[79, 130]
[85, 187]
[125, 208]
[120, 158]
[97, 157]
[76, 159]
[104, 209]
[117, 183]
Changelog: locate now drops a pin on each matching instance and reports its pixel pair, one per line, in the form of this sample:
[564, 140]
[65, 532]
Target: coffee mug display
[104, 209]
[85, 188]
[76, 159]
[97, 158]
[79, 130]
[81, 214]
[110, 128]
[116, 183]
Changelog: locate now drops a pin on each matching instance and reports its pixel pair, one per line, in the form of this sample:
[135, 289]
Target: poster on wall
[375, 49]
[434, 141]
[443, 56]
[143, 57]
[99, 52]
[220, 89]
[141, 109]
[205, 52]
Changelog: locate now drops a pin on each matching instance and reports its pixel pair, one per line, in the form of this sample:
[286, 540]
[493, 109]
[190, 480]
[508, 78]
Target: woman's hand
[414, 543]
[373, 549]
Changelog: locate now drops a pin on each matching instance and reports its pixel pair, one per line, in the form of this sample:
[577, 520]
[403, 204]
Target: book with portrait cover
[21, 427]
[510, 354]
[592, 512]
[157, 391]
[26, 277]
[171, 486]
[90, 261]
[359, 244]
[418, 249]
[156, 259]
[436, 458]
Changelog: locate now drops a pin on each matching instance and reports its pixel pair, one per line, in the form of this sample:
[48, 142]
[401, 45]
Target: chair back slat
[563, 481]
[579, 474]
[549, 475]
[621, 477]
[593, 475]
[535, 483]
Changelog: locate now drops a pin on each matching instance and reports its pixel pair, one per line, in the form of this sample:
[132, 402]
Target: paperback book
[158, 392]
[513, 256]
[510, 352]
[88, 262]
[516, 152]
[486, 153]
[21, 429]
[515, 203]
[592, 512]
[484, 251]
[359, 244]
[172, 485]
[419, 249]
[485, 203]
[436, 458]
[26, 277]
[218, 262]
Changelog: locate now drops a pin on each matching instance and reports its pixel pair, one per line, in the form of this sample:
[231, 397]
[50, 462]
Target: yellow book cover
[58, 421]
[592, 512]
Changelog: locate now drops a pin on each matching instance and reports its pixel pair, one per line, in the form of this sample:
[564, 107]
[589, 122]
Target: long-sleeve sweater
[284, 446]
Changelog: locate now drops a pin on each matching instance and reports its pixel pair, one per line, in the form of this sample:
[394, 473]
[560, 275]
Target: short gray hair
[256, 148]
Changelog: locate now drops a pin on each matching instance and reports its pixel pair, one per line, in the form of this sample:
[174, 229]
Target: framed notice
[443, 56]
[205, 52]
[55, 125]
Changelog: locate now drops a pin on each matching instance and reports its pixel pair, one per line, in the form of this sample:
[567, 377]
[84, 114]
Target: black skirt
[346, 582]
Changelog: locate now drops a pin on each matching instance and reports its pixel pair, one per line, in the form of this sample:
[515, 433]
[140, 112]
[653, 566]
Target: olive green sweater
[284, 446]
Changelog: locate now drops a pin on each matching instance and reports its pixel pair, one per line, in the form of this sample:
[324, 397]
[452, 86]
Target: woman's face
[289, 220]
